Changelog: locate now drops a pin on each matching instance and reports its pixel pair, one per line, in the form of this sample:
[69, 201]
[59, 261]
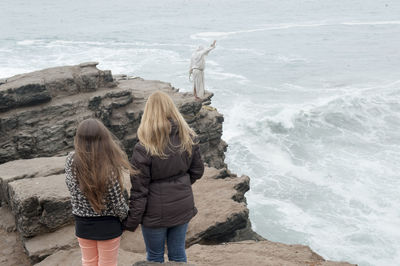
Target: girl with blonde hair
[94, 176]
[169, 162]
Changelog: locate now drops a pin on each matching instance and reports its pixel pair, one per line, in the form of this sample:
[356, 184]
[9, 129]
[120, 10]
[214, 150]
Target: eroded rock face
[39, 111]
[44, 85]
[35, 191]
[40, 204]
[220, 215]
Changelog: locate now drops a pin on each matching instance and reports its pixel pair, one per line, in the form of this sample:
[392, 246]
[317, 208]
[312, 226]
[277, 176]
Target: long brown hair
[98, 160]
[155, 125]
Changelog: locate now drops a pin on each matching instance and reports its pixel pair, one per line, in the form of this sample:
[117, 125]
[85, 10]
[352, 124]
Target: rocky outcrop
[40, 201]
[35, 191]
[21, 169]
[222, 214]
[41, 204]
[39, 111]
[43, 86]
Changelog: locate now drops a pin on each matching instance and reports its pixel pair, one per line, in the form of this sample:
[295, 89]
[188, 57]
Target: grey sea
[310, 91]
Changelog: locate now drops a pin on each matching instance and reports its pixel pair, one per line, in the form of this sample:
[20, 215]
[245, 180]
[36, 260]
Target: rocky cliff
[39, 113]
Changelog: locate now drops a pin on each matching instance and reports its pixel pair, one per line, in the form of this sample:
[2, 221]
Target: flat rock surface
[133, 241]
[30, 168]
[249, 253]
[72, 257]
[256, 253]
[42, 166]
[11, 250]
[42, 86]
[44, 245]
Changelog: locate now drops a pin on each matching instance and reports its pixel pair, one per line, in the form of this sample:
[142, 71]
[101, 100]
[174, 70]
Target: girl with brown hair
[94, 176]
[169, 162]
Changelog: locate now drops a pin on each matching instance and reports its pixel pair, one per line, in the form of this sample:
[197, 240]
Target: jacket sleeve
[140, 181]
[196, 168]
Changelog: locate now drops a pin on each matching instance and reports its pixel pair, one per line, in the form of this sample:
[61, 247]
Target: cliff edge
[39, 112]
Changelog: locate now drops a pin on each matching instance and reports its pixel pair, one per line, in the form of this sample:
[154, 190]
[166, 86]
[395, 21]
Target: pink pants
[99, 252]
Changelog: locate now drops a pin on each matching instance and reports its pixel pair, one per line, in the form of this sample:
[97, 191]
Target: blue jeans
[155, 238]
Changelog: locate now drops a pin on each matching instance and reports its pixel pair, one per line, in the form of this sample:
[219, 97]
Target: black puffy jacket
[161, 193]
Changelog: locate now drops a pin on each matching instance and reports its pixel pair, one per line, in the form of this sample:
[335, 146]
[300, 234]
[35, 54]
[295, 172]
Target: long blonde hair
[98, 160]
[155, 126]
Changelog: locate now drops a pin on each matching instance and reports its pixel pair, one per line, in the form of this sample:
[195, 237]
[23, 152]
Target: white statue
[197, 65]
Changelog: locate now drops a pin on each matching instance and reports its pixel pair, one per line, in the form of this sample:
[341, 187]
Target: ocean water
[310, 91]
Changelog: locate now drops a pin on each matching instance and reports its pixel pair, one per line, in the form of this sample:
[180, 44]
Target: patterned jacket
[116, 205]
